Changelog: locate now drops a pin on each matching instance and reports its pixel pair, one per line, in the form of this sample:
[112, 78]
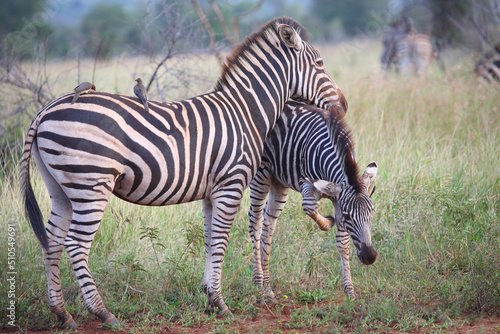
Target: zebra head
[310, 81]
[353, 211]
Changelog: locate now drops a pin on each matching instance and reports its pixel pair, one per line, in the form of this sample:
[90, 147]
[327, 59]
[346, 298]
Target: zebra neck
[258, 73]
[332, 164]
[261, 95]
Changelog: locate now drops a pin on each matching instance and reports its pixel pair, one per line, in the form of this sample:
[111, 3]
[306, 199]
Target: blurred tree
[109, 28]
[443, 15]
[475, 23]
[14, 14]
[354, 15]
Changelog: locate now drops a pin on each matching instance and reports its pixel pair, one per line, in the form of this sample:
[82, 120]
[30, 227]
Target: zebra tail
[32, 210]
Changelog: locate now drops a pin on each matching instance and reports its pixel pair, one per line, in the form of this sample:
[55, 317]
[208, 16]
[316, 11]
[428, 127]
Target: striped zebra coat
[488, 68]
[315, 158]
[405, 49]
[205, 148]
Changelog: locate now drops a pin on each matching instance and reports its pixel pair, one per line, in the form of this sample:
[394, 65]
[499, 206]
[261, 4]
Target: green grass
[436, 142]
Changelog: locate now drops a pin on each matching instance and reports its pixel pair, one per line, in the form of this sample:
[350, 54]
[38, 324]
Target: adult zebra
[488, 68]
[315, 158]
[205, 148]
[404, 48]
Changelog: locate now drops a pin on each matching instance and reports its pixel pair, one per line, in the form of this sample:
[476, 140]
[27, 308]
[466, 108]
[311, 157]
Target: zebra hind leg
[275, 204]
[57, 229]
[87, 215]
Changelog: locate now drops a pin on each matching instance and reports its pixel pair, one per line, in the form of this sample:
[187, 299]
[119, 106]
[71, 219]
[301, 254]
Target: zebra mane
[238, 53]
[341, 138]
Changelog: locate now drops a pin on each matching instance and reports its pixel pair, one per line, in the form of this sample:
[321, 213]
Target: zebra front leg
[207, 219]
[310, 198]
[343, 248]
[275, 204]
[259, 189]
[224, 209]
[87, 216]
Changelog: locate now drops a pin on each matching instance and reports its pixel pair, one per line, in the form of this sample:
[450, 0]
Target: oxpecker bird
[140, 92]
[82, 88]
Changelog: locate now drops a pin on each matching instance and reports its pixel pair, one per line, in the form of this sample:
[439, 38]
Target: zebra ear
[289, 36]
[368, 177]
[329, 189]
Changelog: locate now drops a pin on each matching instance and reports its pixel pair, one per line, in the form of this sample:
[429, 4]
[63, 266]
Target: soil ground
[268, 322]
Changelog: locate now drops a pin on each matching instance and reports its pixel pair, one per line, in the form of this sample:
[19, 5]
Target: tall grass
[435, 226]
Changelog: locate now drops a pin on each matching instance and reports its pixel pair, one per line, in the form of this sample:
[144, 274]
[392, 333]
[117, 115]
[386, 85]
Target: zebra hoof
[222, 310]
[218, 311]
[269, 295]
[270, 299]
[68, 324]
[332, 221]
[352, 296]
[266, 300]
[111, 321]
[225, 313]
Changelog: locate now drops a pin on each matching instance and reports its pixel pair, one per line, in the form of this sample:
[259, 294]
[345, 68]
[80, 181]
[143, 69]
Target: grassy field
[436, 222]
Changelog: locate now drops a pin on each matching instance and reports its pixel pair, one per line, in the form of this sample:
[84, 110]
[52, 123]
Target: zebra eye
[319, 62]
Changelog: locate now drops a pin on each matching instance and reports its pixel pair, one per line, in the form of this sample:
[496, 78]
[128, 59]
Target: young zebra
[316, 158]
[488, 68]
[406, 49]
[205, 148]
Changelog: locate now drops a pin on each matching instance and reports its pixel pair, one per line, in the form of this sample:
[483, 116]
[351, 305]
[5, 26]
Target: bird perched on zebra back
[488, 68]
[406, 49]
[83, 88]
[140, 92]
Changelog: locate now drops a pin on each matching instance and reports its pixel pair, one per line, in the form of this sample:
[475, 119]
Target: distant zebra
[488, 68]
[406, 49]
[315, 158]
[205, 148]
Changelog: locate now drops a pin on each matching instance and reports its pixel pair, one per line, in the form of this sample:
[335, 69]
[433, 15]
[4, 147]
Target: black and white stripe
[405, 49]
[205, 148]
[488, 68]
[316, 158]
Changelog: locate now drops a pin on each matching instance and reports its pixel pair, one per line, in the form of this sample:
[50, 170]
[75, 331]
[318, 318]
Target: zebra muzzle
[367, 254]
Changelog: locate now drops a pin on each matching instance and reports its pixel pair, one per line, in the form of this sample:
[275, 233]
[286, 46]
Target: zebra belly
[287, 177]
[179, 191]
